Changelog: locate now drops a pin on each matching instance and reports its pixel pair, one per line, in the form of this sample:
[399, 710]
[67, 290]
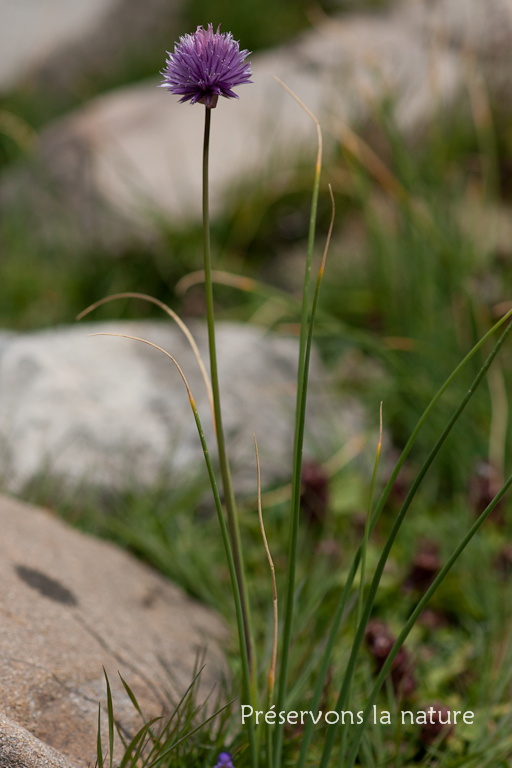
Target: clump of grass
[193, 732]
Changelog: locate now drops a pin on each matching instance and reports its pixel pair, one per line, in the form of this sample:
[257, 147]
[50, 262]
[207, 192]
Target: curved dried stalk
[218, 276]
[179, 322]
[160, 349]
[272, 671]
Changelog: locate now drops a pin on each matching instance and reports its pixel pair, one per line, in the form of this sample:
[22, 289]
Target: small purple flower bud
[224, 761]
[425, 566]
[206, 65]
[314, 495]
[380, 641]
[435, 724]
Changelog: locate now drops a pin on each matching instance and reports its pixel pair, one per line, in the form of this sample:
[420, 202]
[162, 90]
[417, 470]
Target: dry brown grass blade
[311, 115]
[160, 349]
[371, 161]
[272, 671]
[380, 425]
[376, 167]
[499, 425]
[481, 112]
[218, 276]
[177, 319]
[329, 234]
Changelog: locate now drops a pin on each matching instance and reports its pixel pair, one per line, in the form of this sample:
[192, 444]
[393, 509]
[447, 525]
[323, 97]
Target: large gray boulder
[135, 154]
[69, 606]
[114, 413]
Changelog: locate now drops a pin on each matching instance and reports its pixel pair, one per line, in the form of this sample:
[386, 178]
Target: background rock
[69, 605]
[56, 43]
[135, 153]
[115, 413]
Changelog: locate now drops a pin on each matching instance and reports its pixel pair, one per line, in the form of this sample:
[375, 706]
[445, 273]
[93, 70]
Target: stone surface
[136, 152]
[30, 29]
[114, 413]
[21, 749]
[69, 606]
[59, 44]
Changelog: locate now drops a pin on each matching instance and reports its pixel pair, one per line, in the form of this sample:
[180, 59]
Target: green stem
[367, 525]
[300, 412]
[229, 498]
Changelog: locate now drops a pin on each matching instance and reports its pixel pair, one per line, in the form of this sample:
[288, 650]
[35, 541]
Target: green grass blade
[131, 695]
[139, 742]
[99, 750]
[185, 695]
[366, 535]
[300, 412]
[189, 734]
[110, 720]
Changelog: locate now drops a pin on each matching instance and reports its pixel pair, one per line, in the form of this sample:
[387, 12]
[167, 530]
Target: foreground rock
[135, 154]
[114, 413]
[21, 749]
[69, 606]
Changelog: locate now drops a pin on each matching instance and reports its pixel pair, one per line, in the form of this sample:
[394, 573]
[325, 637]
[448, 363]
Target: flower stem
[229, 499]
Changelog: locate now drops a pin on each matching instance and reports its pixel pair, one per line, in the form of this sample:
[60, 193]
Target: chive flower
[224, 761]
[206, 65]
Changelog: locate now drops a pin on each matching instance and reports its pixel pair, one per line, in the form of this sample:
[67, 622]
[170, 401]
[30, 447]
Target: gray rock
[21, 749]
[114, 413]
[69, 606]
[134, 155]
[59, 44]
[30, 29]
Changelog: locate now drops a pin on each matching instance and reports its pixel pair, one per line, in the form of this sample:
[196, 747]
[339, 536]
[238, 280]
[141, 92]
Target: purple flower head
[224, 761]
[206, 65]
